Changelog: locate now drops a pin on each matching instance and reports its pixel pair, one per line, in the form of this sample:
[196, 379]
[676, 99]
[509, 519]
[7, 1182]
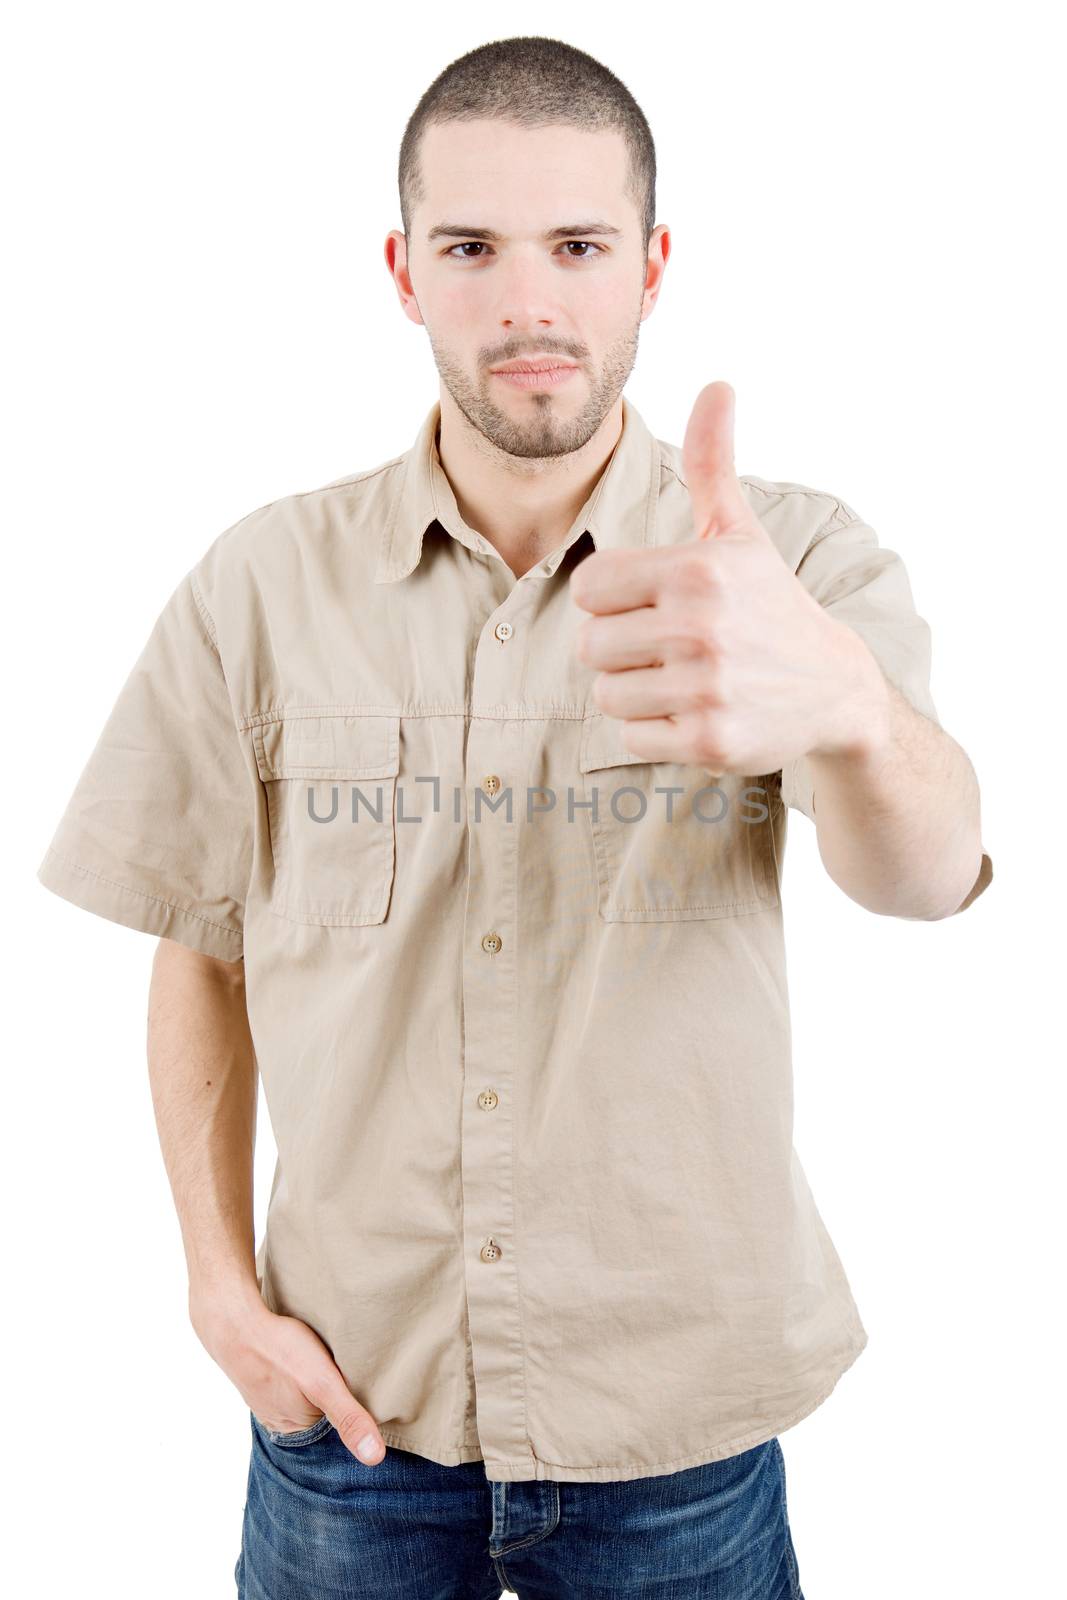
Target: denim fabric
[320, 1525]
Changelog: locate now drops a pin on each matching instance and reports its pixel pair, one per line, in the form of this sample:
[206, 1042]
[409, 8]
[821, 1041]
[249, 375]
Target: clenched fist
[712, 651]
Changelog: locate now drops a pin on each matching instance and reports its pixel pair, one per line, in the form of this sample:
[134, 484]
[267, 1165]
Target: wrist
[860, 725]
[221, 1300]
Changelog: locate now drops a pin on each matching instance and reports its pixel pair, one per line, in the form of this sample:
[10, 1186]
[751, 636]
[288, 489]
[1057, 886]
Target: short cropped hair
[532, 82]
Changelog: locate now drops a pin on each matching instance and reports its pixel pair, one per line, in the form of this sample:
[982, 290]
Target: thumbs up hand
[712, 651]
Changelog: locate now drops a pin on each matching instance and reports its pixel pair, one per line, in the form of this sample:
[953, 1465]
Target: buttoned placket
[496, 758]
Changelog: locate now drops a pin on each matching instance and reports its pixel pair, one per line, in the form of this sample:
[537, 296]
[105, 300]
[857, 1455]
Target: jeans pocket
[301, 1436]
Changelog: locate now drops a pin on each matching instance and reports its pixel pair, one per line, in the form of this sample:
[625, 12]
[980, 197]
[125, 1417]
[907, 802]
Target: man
[457, 792]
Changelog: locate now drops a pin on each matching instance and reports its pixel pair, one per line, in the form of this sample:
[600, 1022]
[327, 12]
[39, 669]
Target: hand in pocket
[284, 1371]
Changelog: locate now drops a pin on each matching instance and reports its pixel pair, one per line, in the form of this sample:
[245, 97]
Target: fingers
[353, 1422]
[621, 580]
[718, 500]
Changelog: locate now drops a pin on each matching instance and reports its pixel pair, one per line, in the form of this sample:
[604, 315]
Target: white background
[864, 206]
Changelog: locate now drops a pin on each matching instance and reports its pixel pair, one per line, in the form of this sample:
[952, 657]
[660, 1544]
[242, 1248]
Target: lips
[535, 366]
[535, 377]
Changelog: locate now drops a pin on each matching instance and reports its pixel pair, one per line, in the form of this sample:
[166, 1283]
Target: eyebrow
[452, 230]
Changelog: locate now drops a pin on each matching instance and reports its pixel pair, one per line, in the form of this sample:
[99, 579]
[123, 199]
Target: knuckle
[712, 687]
[697, 568]
[705, 697]
[353, 1423]
[688, 627]
[710, 740]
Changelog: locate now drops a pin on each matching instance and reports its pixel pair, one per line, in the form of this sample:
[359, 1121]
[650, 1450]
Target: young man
[457, 792]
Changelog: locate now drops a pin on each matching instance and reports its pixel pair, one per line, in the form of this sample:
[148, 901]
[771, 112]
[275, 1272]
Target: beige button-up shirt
[518, 996]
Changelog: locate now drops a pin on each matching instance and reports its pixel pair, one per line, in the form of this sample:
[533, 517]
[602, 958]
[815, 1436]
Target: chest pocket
[710, 855]
[330, 783]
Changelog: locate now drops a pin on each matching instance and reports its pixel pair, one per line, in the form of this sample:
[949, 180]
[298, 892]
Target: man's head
[527, 184]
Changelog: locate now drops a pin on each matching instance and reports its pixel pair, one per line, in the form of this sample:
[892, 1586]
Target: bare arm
[715, 653]
[203, 1074]
[897, 815]
[204, 1080]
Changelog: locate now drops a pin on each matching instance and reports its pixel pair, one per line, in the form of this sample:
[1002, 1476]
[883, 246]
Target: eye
[479, 244]
[469, 244]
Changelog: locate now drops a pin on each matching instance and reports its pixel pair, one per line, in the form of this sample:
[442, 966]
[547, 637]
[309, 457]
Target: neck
[524, 506]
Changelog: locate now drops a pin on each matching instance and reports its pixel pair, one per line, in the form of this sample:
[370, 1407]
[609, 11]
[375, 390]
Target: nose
[528, 296]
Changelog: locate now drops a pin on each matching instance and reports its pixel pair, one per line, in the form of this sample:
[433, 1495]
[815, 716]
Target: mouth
[529, 376]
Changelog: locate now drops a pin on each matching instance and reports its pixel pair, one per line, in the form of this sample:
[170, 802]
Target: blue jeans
[321, 1525]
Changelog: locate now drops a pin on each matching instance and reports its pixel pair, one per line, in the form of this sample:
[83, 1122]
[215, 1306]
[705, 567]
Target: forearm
[203, 1076]
[897, 816]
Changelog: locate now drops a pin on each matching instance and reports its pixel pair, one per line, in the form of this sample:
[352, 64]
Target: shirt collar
[620, 510]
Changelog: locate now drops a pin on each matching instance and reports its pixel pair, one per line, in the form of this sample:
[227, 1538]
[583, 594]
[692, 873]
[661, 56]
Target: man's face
[579, 296]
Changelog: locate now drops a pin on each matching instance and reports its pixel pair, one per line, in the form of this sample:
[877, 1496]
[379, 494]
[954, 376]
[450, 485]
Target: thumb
[353, 1422]
[719, 504]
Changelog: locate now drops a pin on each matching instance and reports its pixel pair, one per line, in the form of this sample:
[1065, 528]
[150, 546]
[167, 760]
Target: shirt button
[503, 630]
[491, 943]
[492, 783]
[487, 1099]
[490, 1250]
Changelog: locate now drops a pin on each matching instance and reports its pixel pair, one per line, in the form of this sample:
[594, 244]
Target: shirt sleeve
[865, 585]
[158, 832]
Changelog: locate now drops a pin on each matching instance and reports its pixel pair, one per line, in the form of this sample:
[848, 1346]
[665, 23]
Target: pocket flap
[602, 746]
[333, 746]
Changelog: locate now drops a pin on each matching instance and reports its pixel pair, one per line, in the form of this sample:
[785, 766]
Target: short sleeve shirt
[518, 996]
